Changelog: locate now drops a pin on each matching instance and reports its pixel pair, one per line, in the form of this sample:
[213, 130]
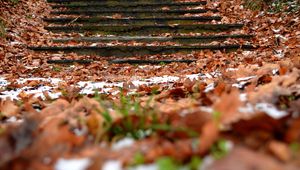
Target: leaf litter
[234, 110]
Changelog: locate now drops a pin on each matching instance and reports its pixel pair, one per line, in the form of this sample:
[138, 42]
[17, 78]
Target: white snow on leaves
[72, 164]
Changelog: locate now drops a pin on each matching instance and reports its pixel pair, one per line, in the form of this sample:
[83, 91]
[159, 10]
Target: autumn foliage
[225, 111]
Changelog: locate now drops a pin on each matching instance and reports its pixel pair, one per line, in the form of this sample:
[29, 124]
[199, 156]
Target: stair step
[108, 1]
[177, 39]
[145, 29]
[149, 61]
[126, 5]
[119, 61]
[135, 12]
[144, 21]
[130, 51]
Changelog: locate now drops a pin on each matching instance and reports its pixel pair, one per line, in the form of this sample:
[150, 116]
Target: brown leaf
[245, 159]
[228, 106]
[280, 150]
[293, 132]
[55, 108]
[209, 135]
[8, 108]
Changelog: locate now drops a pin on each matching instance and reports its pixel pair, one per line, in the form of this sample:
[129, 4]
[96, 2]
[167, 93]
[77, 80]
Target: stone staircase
[140, 28]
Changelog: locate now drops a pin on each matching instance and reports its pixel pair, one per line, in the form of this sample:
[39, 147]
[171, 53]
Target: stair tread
[122, 4]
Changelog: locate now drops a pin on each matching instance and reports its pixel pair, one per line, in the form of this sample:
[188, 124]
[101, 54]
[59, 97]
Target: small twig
[74, 20]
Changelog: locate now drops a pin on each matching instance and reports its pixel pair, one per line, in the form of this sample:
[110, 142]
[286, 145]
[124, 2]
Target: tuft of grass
[295, 147]
[220, 149]
[57, 69]
[169, 163]
[162, 63]
[194, 163]
[138, 159]
[135, 121]
[166, 163]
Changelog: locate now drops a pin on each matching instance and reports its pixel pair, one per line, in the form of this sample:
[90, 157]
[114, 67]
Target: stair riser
[143, 21]
[67, 62]
[146, 29]
[180, 40]
[107, 5]
[109, 1]
[131, 51]
[132, 13]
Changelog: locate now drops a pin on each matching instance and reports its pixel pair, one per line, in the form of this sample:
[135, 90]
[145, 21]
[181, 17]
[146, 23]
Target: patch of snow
[279, 54]
[31, 67]
[3, 82]
[242, 81]
[247, 109]
[216, 74]
[155, 80]
[208, 75]
[247, 53]
[145, 167]
[281, 37]
[88, 87]
[54, 81]
[196, 76]
[240, 85]
[276, 31]
[123, 143]
[206, 109]
[231, 69]
[270, 110]
[80, 132]
[147, 66]
[245, 78]
[72, 164]
[209, 87]
[207, 161]
[243, 97]
[12, 119]
[275, 71]
[93, 45]
[15, 43]
[163, 79]
[38, 92]
[112, 165]
[184, 113]
[267, 108]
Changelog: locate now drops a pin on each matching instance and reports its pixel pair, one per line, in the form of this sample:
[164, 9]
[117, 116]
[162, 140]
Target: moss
[2, 28]
[256, 5]
[273, 6]
[14, 1]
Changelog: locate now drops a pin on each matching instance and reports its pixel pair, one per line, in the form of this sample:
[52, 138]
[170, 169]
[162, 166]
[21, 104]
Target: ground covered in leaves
[237, 110]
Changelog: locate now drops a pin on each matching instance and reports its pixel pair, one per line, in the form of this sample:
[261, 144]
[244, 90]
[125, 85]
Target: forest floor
[225, 111]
